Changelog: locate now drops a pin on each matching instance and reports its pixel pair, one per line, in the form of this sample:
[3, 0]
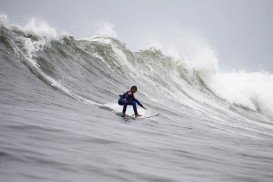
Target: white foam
[253, 90]
[105, 29]
[40, 28]
[4, 21]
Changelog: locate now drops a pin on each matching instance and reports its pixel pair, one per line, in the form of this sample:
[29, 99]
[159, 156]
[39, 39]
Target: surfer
[128, 99]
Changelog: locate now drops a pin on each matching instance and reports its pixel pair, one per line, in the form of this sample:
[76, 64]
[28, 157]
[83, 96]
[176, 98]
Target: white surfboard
[141, 117]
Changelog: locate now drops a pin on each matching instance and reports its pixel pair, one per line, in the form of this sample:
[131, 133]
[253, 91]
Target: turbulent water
[59, 97]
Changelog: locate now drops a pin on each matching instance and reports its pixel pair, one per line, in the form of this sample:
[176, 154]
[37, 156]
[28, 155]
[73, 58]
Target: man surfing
[128, 99]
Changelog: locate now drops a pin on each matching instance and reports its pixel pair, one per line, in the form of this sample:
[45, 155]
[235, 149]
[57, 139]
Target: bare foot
[138, 115]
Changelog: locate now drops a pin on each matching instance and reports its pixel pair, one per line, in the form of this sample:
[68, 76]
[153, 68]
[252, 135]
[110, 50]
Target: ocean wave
[84, 66]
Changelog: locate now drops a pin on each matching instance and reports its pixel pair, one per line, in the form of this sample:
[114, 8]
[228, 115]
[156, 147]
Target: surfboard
[141, 117]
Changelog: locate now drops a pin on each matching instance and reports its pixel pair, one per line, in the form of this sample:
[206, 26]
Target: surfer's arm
[138, 103]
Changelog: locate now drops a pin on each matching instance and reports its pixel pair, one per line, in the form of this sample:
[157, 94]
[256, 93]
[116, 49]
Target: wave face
[57, 100]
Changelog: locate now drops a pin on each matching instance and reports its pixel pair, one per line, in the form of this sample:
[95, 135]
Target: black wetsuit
[128, 99]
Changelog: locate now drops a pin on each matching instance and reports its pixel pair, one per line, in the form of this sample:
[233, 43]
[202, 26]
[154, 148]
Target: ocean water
[58, 122]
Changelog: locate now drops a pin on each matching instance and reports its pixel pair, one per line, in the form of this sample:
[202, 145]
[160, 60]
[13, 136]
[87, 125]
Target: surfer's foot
[138, 115]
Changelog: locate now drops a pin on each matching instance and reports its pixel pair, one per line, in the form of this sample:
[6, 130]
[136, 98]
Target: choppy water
[57, 122]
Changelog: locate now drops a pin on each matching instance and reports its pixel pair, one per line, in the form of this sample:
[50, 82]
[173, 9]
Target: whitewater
[58, 119]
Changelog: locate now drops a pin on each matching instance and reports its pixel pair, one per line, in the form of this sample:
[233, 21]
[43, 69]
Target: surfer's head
[133, 89]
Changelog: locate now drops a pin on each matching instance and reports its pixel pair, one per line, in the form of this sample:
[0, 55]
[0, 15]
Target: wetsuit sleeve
[138, 103]
[133, 98]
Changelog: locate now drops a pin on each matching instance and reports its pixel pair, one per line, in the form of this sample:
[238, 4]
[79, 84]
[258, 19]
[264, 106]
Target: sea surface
[58, 121]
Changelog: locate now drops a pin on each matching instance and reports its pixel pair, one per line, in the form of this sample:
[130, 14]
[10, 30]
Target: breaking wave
[85, 68]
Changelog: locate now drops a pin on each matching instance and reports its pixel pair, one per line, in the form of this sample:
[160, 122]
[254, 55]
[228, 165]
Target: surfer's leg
[124, 109]
[135, 108]
[120, 102]
[133, 103]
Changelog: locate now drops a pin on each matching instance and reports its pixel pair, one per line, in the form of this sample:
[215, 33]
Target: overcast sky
[239, 31]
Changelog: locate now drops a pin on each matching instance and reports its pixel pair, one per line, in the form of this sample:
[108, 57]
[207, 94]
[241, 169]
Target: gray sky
[240, 31]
